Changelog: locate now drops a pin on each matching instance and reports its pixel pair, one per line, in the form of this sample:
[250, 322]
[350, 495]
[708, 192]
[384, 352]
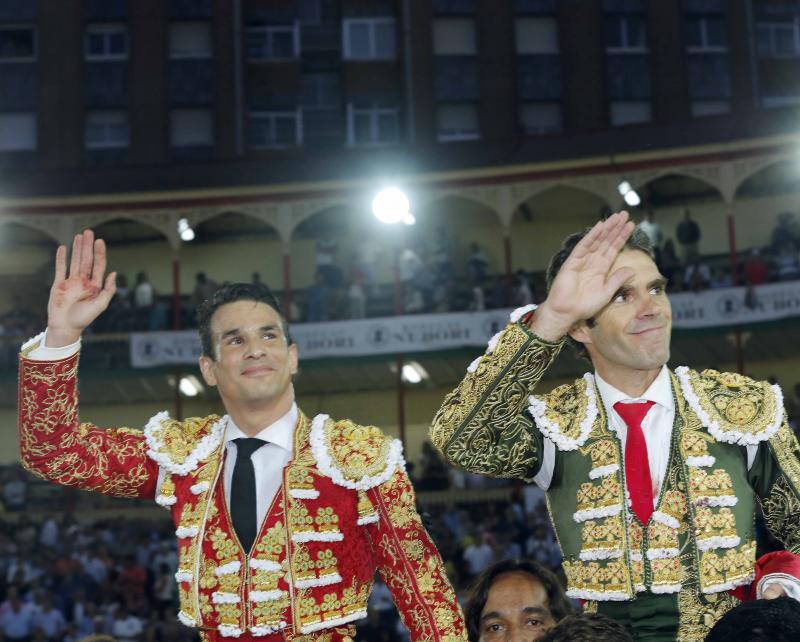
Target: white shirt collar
[660, 391]
[280, 433]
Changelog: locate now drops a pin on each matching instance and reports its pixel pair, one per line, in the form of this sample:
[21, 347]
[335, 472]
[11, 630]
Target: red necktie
[637, 464]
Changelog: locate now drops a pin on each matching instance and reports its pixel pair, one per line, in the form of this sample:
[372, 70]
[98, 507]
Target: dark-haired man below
[652, 475]
[282, 521]
[514, 602]
[587, 627]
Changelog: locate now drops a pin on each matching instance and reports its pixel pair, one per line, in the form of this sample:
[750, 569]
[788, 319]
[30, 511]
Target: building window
[369, 39]
[625, 33]
[106, 42]
[778, 39]
[457, 122]
[276, 42]
[454, 37]
[189, 40]
[17, 44]
[540, 118]
[372, 126]
[630, 112]
[191, 128]
[106, 130]
[536, 35]
[275, 129]
[17, 132]
[706, 34]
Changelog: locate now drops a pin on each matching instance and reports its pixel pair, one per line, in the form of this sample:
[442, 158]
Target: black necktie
[244, 512]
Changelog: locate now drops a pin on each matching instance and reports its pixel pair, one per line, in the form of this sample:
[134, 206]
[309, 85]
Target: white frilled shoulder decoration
[731, 435]
[553, 431]
[327, 464]
[159, 452]
[515, 316]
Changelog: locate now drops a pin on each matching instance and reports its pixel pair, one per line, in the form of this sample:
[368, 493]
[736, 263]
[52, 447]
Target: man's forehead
[640, 261]
[243, 315]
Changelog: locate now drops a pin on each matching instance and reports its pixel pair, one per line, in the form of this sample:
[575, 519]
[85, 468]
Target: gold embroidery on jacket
[604, 492]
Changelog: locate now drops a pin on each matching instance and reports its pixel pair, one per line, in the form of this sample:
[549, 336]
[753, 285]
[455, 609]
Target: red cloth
[776, 562]
[637, 464]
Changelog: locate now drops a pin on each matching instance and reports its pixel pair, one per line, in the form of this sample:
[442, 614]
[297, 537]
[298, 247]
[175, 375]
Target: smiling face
[632, 333]
[253, 364]
[516, 610]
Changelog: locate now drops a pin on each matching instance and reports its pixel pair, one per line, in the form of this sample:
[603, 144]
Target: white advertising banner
[432, 332]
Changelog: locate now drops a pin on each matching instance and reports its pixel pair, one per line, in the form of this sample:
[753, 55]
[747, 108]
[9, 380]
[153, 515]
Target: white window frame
[372, 23]
[625, 48]
[271, 117]
[772, 27]
[268, 31]
[192, 56]
[374, 114]
[705, 47]
[19, 27]
[35, 142]
[107, 144]
[109, 28]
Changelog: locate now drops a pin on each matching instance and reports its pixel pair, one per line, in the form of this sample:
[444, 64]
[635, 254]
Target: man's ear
[580, 333]
[207, 370]
[293, 358]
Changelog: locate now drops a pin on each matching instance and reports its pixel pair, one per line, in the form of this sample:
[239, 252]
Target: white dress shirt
[268, 461]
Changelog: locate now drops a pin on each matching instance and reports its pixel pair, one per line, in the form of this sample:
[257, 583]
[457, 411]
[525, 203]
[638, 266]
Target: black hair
[231, 293]
[587, 627]
[775, 620]
[636, 241]
[479, 592]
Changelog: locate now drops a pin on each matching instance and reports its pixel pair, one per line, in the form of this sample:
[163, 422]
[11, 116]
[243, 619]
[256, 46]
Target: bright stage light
[391, 206]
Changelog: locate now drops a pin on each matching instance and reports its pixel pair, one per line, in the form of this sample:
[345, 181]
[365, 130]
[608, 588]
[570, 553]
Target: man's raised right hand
[78, 299]
[585, 283]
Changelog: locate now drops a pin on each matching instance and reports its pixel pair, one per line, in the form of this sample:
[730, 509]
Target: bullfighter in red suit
[281, 520]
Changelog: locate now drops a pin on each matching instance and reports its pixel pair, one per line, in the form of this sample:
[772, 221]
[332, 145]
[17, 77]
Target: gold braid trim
[484, 425]
[782, 504]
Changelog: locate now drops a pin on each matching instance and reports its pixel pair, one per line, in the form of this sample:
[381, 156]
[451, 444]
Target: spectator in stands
[669, 265]
[522, 290]
[786, 229]
[696, 275]
[688, 234]
[775, 620]
[318, 300]
[514, 602]
[720, 278]
[755, 269]
[434, 475]
[478, 554]
[477, 263]
[441, 255]
[143, 299]
[204, 288]
[651, 228]
[126, 627]
[15, 490]
[587, 627]
[327, 249]
[477, 300]
[786, 264]
[356, 299]
[255, 278]
[49, 620]
[16, 618]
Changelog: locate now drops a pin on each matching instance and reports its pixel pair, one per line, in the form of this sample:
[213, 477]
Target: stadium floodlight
[632, 198]
[391, 206]
[629, 194]
[414, 373]
[185, 230]
[190, 386]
